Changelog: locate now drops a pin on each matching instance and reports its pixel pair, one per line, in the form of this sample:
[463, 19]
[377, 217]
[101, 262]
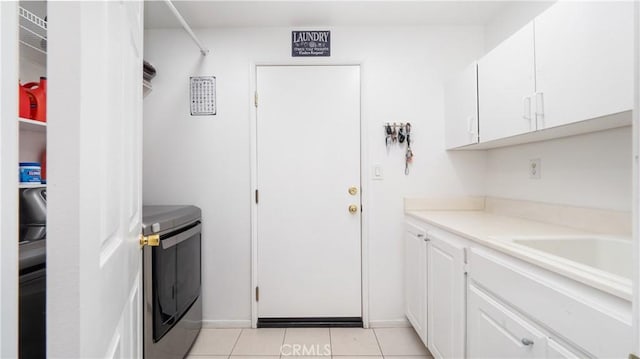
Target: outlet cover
[535, 168]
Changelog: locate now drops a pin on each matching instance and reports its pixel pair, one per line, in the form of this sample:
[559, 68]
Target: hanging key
[408, 158]
[387, 138]
[401, 135]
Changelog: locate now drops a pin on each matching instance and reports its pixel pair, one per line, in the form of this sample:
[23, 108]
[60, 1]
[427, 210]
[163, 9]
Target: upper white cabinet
[506, 85]
[573, 64]
[461, 108]
[584, 61]
[446, 300]
[415, 278]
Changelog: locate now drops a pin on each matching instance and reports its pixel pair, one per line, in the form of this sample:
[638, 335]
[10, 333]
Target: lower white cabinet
[496, 332]
[446, 300]
[588, 321]
[468, 301]
[415, 278]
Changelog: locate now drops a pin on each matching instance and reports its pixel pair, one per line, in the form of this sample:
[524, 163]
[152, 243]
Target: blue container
[29, 172]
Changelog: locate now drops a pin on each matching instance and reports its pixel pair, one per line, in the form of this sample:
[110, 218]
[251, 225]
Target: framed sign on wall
[310, 43]
[203, 95]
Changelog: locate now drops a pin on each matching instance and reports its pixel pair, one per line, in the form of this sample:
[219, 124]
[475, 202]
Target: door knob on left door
[152, 240]
[353, 209]
[353, 191]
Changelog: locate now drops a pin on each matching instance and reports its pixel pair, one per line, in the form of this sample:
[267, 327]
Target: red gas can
[26, 102]
[39, 92]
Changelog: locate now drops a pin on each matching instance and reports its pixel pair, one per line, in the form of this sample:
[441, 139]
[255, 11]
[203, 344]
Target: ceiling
[240, 13]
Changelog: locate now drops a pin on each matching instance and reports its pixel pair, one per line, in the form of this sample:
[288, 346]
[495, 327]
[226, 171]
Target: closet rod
[204, 51]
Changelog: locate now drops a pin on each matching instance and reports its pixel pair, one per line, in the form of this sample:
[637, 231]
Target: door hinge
[255, 99]
[256, 196]
[257, 294]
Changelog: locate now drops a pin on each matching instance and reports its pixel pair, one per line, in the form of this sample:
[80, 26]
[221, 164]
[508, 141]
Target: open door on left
[94, 195]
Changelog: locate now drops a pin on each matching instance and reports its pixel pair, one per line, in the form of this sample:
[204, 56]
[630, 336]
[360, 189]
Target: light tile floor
[309, 343]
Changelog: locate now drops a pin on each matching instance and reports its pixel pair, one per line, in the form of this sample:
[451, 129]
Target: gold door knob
[152, 240]
[353, 191]
[353, 209]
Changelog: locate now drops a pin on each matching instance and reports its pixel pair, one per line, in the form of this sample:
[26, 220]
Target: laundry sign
[310, 43]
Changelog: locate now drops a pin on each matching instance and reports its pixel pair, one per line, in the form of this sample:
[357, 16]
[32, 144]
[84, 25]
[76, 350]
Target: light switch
[378, 174]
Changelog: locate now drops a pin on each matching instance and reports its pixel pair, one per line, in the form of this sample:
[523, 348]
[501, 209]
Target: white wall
[510, 19]
[206, 160]
[592, 170]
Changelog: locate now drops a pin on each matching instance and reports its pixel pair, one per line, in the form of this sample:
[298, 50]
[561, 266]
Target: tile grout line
[284, 338]
[236, 342]
[330, 344]
[377, 341]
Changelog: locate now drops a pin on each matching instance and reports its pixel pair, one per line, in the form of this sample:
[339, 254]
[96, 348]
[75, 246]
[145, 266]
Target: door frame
[364, 186]
[9, 283]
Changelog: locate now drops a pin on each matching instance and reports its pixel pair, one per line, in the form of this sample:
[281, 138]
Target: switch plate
[535, 168]
[377, 173]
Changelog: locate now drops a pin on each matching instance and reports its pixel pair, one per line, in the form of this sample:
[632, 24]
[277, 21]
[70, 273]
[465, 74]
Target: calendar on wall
[203, 95]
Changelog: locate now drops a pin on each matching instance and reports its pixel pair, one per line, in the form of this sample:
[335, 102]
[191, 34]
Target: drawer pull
[527, 341]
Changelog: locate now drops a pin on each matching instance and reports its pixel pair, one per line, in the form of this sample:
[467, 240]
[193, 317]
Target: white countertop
[488, 228]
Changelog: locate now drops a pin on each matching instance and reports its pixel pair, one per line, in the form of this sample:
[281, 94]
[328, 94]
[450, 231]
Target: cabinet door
[494, 331]
[415, 279]
[506, 86]
[584, 61]
[461, 108]
[446, 284]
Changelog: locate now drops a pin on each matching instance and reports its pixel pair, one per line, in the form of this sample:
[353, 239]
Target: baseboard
[210, 324]
[393, 323]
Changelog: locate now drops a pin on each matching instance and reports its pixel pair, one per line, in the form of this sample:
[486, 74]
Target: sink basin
[612, 255]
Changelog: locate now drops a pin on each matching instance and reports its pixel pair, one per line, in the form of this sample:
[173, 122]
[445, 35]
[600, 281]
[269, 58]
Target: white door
[308, 156]
[94, 293]
[506, 85]
[446, 298]
[493, 331]
[584, 60]
[415, 279]
[461, 108]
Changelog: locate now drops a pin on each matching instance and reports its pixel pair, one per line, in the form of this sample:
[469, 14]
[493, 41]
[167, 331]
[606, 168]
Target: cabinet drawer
[497, 332]
[599, 324]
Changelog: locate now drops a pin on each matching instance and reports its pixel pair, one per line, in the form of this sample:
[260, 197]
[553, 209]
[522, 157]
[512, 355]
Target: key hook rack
[394, 124]
[399, 133]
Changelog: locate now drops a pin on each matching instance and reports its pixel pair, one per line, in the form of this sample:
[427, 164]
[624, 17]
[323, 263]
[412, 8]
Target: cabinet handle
[420, 235]
[470, 127]
[526, 108]
[539, 109]
[526, 341]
